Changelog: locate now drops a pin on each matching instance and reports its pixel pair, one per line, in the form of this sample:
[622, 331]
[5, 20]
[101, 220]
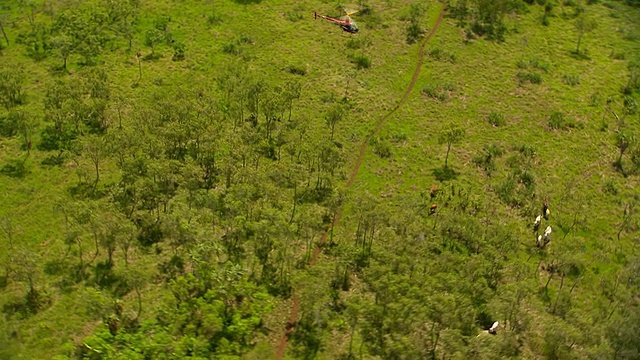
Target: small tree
[625, 139]
[584, 25]
[11, 92]
[452, 134]
[152, 38]
[333, 117]
[64, 47]
[95, 149]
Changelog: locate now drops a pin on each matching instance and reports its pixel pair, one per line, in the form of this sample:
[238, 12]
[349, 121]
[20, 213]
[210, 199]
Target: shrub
[214, 19]
[505, 190]
[448, 86]
[618, 55]
[539, 64]
[433, 91]
[231, 48]
[294, 16]
[414, 32]
[571, 80]
[609, 187]
[531, 77]
[527, 151]
[358, 43]
[245, 39]
[178, 51]
[557, 121]
[399, 137]
[527, 179]
[496, 119]
[362, 61]
[486, 158]
[381, 148]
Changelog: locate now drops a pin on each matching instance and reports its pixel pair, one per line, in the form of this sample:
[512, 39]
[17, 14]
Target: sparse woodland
[168, 169]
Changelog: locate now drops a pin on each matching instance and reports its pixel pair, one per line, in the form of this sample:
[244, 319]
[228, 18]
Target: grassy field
[572, 167]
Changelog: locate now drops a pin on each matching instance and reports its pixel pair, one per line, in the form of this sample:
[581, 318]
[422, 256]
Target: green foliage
[414, 32]
[188, 228]
[358, 43]
[441, 55]
[486, 158]
[178, 51]
[534, 63]
[571, 80]
[361, 61]
[231, 48]
[381, 147]
[530, 77]
[414, 15]
[438, 91]
[558, 121]
[36, 40]
[11, 87]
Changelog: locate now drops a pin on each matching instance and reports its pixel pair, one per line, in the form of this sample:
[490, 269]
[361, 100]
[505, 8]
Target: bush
[358, 43]
[496, 119]
[231, 48]
[435, 92]
[381, 148]
[527, 179]
[531, 77]
[414, 32]
[557, 121]
[609, 187]
[571, 80]
[214, 19]
[294, 16]
[178, 51]
[621, 55]
[362, 61]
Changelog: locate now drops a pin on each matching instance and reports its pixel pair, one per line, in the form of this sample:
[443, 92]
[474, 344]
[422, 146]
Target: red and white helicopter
[345, 22]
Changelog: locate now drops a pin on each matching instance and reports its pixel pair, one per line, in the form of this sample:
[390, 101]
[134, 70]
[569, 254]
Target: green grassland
[392, 281]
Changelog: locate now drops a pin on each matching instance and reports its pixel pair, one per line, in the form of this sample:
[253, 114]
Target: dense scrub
[166, 174]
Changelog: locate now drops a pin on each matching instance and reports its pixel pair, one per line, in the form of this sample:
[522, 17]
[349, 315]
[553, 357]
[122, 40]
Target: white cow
[494, 328]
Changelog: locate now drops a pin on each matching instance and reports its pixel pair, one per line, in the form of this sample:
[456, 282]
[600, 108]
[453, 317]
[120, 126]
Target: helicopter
[345, 22]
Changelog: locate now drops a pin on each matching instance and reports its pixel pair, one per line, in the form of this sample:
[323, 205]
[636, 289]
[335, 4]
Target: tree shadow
[247, 2]
[445, 174]
[27, 306]
[16, 168]
[579, 55]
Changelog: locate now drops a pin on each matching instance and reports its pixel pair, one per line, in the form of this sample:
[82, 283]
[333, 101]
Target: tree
[452, 134]
[583, 25]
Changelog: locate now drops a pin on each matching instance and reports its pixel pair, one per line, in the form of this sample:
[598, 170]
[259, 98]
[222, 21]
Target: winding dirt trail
[295, 307]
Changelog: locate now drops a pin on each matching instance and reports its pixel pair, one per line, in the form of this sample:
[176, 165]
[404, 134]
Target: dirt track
[293, 317]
